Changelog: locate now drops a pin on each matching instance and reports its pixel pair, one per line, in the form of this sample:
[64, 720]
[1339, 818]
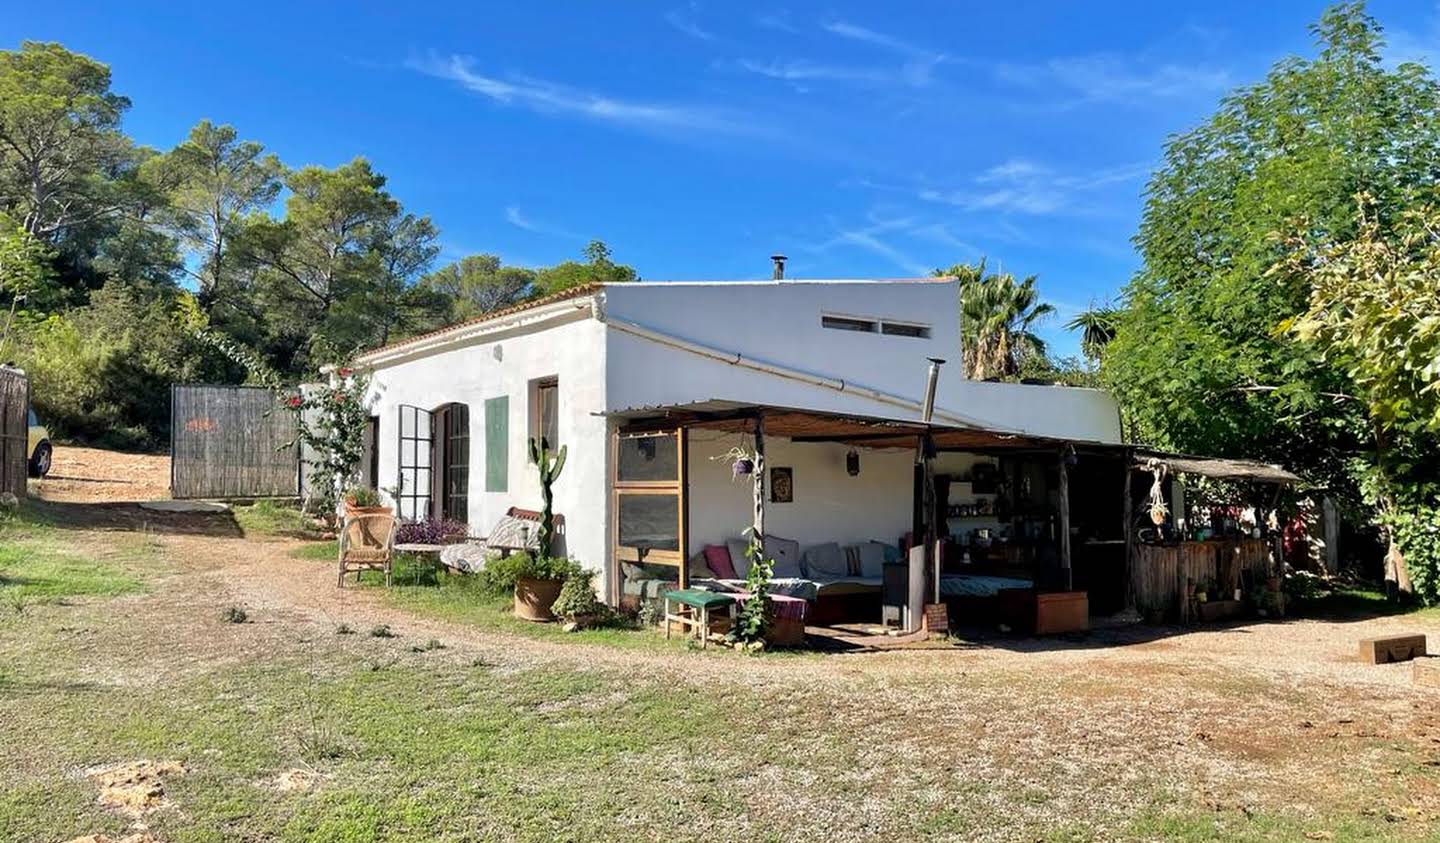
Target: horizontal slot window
[905, 329]
[847, 323]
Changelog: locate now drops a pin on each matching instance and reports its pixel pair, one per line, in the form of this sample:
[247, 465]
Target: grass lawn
[272, 518]
[38, 566]
[491, 734]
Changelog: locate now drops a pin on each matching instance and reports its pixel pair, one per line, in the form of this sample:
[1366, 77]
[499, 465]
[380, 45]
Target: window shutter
[497, 447]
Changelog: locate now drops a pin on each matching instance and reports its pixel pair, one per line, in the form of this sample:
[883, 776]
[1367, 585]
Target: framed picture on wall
[782, 484]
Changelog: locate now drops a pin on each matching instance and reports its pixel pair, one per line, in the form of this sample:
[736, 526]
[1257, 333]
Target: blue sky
[696, 138]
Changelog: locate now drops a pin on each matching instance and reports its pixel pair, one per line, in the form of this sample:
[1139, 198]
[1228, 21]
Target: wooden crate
[1062, 611]
[1394, 648]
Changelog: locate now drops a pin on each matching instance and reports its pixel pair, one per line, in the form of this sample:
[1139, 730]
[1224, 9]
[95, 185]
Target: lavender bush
[431, 531]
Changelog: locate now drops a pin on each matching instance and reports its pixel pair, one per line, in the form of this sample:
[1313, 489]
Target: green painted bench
[699, 603]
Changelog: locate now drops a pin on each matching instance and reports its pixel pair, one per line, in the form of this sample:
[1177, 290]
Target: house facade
[649, 385]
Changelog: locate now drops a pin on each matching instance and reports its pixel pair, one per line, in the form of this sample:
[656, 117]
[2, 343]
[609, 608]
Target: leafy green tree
[596, 268]
[1199, 360]
[213, 183]
[61, 148]
[1374, 313]
[998, 317]
[479, 284]
[335, 265]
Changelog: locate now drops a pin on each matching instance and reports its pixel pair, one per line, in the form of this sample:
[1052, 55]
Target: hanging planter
[742, 463]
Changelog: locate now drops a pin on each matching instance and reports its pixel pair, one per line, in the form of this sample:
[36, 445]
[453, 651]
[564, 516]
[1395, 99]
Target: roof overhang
[1219, 468]
[805, 425]
[865, 431]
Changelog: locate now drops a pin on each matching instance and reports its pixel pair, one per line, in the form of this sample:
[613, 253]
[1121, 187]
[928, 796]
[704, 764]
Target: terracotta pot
[533, 598]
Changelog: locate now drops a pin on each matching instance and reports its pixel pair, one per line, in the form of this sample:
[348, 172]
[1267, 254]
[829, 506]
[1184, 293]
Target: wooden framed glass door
[455, 466]
[648, 506]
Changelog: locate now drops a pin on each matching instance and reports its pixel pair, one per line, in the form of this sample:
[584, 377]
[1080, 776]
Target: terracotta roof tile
[570, 293]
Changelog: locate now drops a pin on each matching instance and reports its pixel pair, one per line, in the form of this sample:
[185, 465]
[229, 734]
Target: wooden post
[1065, 522]
[1128, 513]
[757, 540]
[932, 530]
[682, 446]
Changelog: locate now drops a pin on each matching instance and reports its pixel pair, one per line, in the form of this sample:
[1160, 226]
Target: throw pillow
[786, 555]
[891, 552]
[739, 556]
[872, 560]
[717, 558]
[826, 561]
[699, 569]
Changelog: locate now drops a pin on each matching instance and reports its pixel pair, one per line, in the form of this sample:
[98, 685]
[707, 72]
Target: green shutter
[497, 438]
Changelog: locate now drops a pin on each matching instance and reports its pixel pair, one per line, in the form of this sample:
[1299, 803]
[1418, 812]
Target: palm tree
[1096, 327]
[997, 320]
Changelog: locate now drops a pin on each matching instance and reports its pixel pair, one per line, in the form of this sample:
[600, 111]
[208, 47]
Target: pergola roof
[802, 425]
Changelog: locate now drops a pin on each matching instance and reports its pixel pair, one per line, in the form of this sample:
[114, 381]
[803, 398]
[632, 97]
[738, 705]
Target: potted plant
[742, 462]
[578, 604]
[535, 582]
[362, 500]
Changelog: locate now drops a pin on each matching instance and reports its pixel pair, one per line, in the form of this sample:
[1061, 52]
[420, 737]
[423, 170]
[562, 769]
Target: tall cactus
[550, 466]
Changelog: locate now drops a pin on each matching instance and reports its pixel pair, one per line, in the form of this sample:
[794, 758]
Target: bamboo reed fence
[228, 442]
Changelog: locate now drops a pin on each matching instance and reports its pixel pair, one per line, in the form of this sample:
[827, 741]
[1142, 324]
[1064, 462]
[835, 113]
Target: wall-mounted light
[852, 463]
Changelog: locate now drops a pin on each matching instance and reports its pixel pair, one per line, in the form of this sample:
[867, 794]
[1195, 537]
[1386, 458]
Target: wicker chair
[367, 542]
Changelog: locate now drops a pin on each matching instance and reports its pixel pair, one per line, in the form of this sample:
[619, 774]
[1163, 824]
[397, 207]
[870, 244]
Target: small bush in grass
[381, 631]
[577, 600]
[499, 574]
[432, 644]
[344, 629]
[234, 614]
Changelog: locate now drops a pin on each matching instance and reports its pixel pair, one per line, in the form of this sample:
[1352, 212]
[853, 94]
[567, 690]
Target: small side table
[430, 551]
[697, 601]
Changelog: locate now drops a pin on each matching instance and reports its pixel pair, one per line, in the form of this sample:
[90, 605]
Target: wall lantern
[852, 463]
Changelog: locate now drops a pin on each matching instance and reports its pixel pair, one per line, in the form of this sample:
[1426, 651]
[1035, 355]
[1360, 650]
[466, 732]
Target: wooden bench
[697, 618]
[1393, 648]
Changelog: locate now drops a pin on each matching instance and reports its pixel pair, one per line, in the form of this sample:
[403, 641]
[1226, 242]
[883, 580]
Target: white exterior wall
[829, 505]
[779, 323]
[572, 348]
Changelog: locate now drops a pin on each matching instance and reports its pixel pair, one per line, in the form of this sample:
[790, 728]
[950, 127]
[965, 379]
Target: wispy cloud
[915, 70]
[1110, 78]
[1023, 186]
[687, 20]
[876, 238]
[800, 70]
[920, 62]
[551, 98]
[515, 217]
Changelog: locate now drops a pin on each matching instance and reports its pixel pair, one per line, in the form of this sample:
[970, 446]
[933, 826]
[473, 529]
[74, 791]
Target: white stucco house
[649, 384]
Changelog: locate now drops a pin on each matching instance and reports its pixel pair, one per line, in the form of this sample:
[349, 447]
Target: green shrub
[234, 614]
[1417, 532]
[577, 598]
[500, 573]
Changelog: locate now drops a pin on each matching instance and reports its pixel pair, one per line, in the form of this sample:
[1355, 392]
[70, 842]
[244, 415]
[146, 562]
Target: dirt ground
[90, 475]
[1274, 716]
